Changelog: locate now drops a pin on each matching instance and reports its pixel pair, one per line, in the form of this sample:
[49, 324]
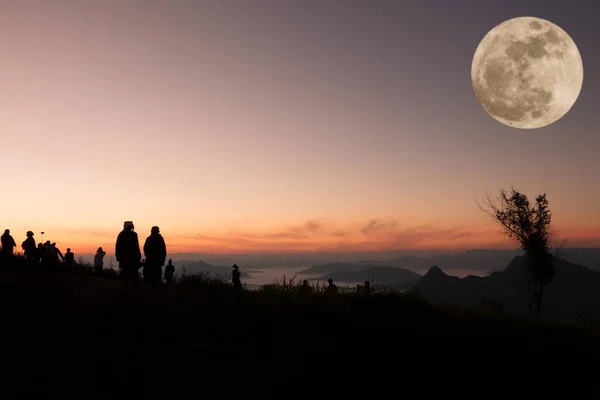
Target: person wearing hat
[29, 247]
[127, 253]
[235, 278]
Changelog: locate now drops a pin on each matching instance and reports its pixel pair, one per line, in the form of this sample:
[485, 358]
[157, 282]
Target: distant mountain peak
[435, 271]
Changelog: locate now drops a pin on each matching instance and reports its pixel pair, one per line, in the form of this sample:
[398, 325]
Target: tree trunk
[528, 284]
[538, 306]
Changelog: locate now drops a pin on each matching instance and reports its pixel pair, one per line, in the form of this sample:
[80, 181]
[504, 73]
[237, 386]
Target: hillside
[574, 290]
[483, 260]
[472, 260]
[86, 337]
[477, 260]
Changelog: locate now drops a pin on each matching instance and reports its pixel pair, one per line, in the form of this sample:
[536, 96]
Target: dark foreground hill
[85, 337]
[575, 290]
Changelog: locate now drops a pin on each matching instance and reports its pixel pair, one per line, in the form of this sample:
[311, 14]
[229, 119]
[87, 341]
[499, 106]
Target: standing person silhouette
[169, 272]
[127, 253]
[8, 245]
[331, 288]
[29, 248]
[155, 251]
[235, 278]
[69, 260]
[58, 252]
[49, 258]
[99, 261]
[38, 256]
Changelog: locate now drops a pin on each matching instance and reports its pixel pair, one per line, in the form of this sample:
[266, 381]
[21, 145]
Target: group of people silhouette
[43, 255]
[47, 257]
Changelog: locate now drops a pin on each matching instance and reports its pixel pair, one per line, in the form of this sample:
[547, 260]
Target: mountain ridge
[575, 289]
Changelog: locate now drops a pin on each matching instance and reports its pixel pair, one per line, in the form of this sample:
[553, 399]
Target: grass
[84, 336]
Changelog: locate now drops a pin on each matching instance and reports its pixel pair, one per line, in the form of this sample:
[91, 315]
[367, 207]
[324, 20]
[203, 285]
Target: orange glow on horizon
[314, 236]
[233, 130]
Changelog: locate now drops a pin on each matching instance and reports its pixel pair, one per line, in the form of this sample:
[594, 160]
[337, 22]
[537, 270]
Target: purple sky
[230, 123]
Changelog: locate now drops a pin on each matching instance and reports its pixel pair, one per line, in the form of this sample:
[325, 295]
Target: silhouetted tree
[530, 226]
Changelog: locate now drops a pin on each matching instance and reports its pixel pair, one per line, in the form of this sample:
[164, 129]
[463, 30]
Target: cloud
[376, 225]
[375, 233]
[303, 231]
[339, 234]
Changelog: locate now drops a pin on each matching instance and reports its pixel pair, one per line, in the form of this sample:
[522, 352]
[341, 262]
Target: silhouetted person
[127, 253]
[57, 252]
[56, 257]
[331, 288]
[236, 278]
[69, 260]
[155, 251]
[169, 272]
[99, 261]
[29, 248]
[8, 245]
[366, 290]
[49, 257]
[145, 270]
[38, 255]
[305, 287]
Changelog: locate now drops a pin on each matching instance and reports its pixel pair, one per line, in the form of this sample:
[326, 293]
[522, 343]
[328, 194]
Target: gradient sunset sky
[278, 125]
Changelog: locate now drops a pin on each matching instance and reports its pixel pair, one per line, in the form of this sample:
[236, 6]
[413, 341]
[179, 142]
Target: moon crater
[527, 73]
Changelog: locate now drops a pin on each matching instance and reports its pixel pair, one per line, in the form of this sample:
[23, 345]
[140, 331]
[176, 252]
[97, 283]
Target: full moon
[527, 73]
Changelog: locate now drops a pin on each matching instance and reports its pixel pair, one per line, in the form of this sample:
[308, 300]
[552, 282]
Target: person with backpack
[236, 278]
[29, 247]
[155, 251]
[127, 253]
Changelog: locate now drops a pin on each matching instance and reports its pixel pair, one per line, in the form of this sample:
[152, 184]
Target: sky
[244, 126]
